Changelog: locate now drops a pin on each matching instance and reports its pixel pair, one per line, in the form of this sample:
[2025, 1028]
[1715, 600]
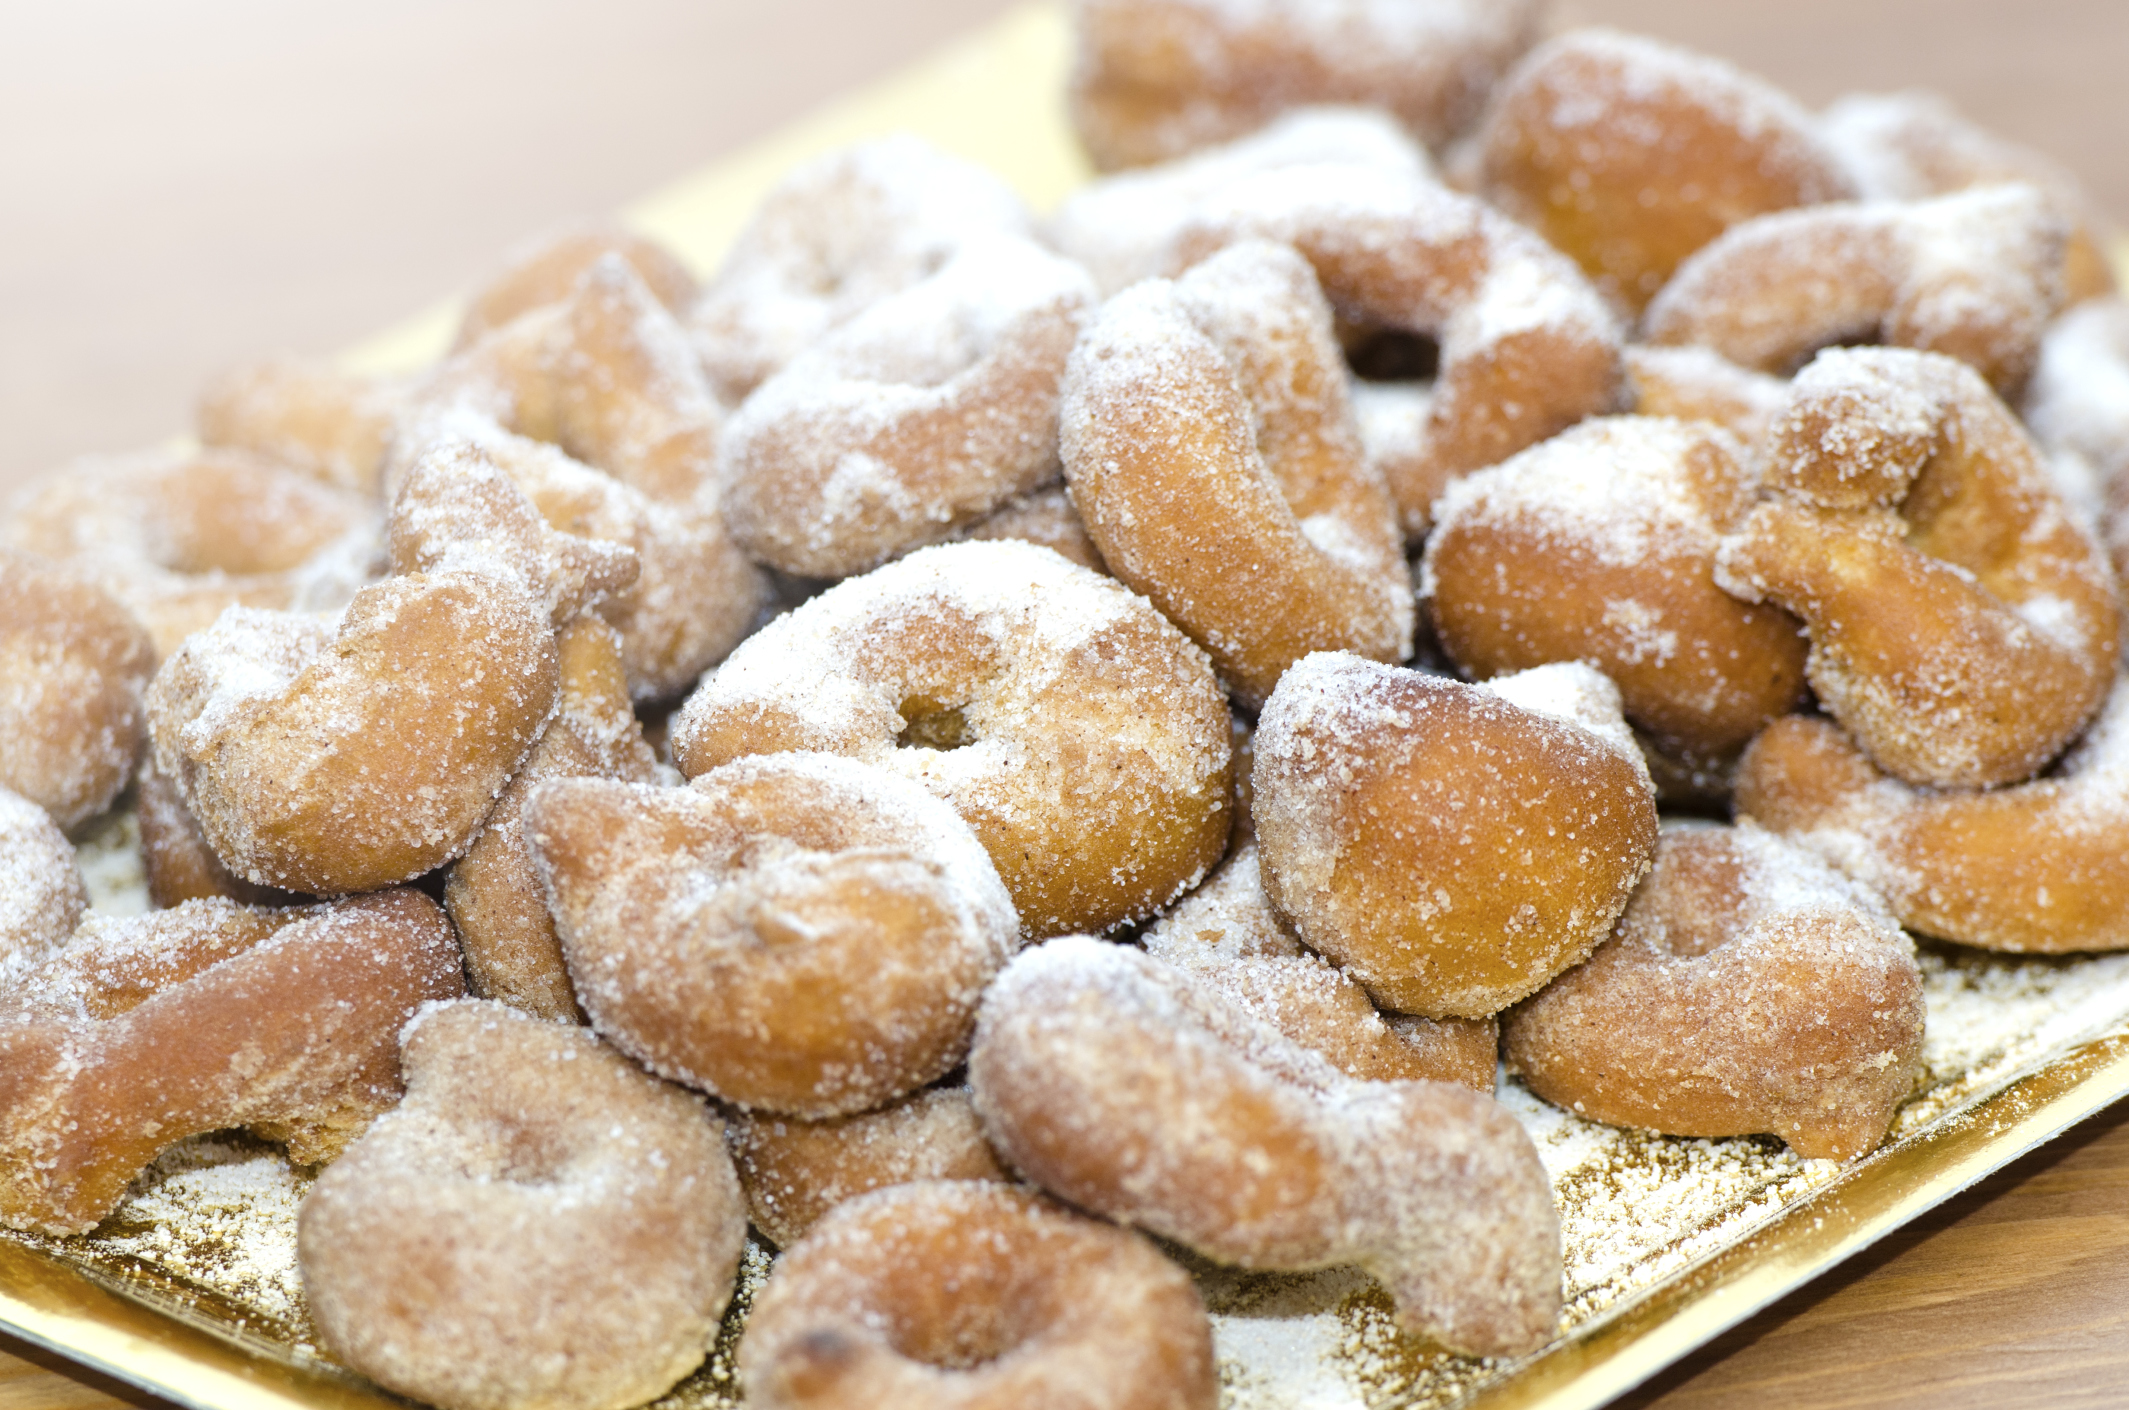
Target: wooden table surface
[184, 187]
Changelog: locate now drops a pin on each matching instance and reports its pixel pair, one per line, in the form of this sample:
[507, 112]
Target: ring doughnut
[330, 425]
[42, 894]
[1081, 735]
[1528, 348]
[537, 1226]
[1599, 545]
[142, 1031]
[2034, 868]
[1158, 78]
[546, 271]
[1748, 987]
[1211, 452]
[915, 417]
[797, 933]
[836, 236]
[1451, 847]
[1025, 1304]
[796, 1171]
[1629, 154]
[1123, 1086]
[1976, 275]
[178, 863]
[1964, 627]
[73, 665]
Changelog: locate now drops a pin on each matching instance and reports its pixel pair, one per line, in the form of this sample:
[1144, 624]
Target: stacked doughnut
[969, 741]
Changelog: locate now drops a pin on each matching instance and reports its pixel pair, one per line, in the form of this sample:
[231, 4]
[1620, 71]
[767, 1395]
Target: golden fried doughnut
[176, 858]
[2040, 867]
[1120, 227]
[1122, 1085]
[335, 757]
[143, 1031]
[493, 891]
[1158, 78]
[331, 425]
[178, 538]
[1964, 627]
[1451, 847]
[1699, 384]
[915, 417]
[1975, 275]
[41, 891]
[1630, 154]
[798, 933]
[954, 1295]
[1210, 450]
[72, 668]
[1527, 347]
[1903, 146]
[1044, 518]
[2077, 406]
[538, 1226]
[545, 271]
[1599, 546]
[796, 1171]
[1226, 935]
[836, 236]
[1748, 987]
[1081, 735]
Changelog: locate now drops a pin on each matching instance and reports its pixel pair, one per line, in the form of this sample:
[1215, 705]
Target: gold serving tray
[1669, 1241]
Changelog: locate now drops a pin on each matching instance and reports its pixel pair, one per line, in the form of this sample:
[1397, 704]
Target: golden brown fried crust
[546, 272]
[179, 863]
[331, 425]
[1746, 989]
[1699, 384]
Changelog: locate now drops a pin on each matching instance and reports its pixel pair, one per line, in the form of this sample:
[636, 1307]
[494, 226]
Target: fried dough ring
[1018, 1304]
[2077, 406]
[1211, 452]
[917, 416]
[1158, 78]
[1528, 348]
[339, 757]
[1748, 987]
[73, 665]
[1599, 545]
[1975, 275]
[537, 1225]
[797, 933]
[1078, 732]
[2035, 868]
[547, 270]
[1120, 1084]
[1046, 519]
[1399, 820]
[143, 1031]
[1699, 384]
[331, 425]
[42, 894]
[1963, 626]
[1629, 154]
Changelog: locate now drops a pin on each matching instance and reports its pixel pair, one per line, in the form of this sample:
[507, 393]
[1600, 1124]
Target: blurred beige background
[183, 187]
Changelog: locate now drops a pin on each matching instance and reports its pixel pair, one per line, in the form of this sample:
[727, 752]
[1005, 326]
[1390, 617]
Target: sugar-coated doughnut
[796, 1171]
[1964, 626]
[177, 861]
[797, 933]
[42, 894]
[1211, 452]
[73, 665]
[336, 757]
[1078, 732]
[1158, 78]
[2039, 867]
[1451, 847]
[2077, 406]
[919, 415]
[546, 270]
[1122, 1085]
[493, 892]
[960, 1295]
[837, 235]
[143, 1031]
[1599, 546]
[1699, 384]
[1044, 518]
[314, 418]
[1749, 987]
[1226, 935]
[1975, 275]
[1120, 227]
[1527, 346]
[1630, 154]
[537, 1226]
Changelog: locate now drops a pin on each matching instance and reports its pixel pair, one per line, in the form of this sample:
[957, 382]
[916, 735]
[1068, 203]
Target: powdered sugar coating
[42, 894]
[1699, 384]
[1126, 1087]
[2077, 406]
[1081, 735]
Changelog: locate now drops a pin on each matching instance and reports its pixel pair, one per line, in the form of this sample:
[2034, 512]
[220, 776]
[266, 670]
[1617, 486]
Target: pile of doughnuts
[969, 741]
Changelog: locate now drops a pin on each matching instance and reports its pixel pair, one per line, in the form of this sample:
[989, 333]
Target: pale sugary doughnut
[42, 894]
[1699, 384]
